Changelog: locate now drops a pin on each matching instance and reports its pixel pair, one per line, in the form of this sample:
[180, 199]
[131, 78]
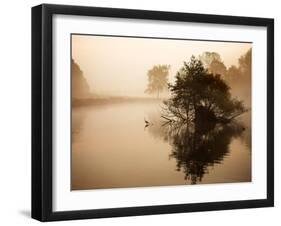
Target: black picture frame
[42, 111]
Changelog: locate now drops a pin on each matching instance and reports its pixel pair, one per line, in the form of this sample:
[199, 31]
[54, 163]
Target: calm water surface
[112, 148]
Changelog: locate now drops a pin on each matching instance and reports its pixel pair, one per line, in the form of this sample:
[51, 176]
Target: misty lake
[112, 148]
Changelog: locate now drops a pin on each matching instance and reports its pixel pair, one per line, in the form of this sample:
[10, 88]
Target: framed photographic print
[145, 112]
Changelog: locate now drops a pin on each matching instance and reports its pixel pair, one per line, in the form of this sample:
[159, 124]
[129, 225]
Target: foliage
[238, 77]
[80, 87]
[217, 67]
[198, 95]
[208, 57]
[158, 79]
[213, 62]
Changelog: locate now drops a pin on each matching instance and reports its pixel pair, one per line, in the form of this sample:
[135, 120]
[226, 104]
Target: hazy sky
[118, 65]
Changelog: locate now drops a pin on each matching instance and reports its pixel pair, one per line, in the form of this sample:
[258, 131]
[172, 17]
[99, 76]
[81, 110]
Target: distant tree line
[80, 87]
[237, 77]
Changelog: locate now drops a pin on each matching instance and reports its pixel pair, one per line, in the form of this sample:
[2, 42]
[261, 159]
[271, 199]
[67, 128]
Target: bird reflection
[147, 124]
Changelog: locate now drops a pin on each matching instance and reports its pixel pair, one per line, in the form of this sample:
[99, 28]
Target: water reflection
[200, 146]
[78, 120]
[126, 145]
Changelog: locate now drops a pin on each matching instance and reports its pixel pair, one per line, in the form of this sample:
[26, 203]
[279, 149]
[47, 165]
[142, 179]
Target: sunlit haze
[118, 66]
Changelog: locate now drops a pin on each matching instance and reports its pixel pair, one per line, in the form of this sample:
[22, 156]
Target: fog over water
[119, 139]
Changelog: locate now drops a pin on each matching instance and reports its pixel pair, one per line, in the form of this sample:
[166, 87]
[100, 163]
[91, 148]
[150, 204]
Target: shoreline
[111, 100]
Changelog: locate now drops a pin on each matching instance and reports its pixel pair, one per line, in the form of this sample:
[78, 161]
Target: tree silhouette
[80, 87]
[198, 146]
[217, 67]
[208, 57]
[239, 77]
[199, 96]
[158, 79]
[196, 150]
[245, 65]
[213, 62]
[233, 74]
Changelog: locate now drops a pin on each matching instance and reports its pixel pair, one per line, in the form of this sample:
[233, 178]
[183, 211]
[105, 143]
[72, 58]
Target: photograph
[150, 111]
[146, 112]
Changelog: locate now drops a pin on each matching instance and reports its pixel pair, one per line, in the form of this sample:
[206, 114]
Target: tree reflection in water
[199, 146]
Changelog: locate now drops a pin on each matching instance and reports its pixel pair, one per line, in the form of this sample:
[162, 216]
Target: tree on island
[158, 79]
[199, 96]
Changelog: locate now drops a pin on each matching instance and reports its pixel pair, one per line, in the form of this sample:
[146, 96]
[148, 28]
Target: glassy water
[113, 147]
